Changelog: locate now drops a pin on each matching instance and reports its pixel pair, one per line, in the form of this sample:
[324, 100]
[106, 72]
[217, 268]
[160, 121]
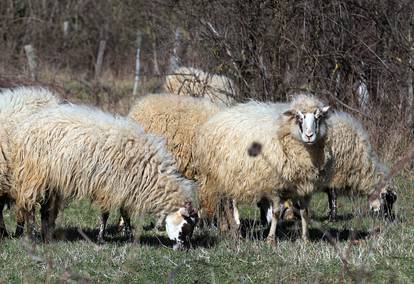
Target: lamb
[187, 81]
[291, 146]
[15, 105]
[78, 152]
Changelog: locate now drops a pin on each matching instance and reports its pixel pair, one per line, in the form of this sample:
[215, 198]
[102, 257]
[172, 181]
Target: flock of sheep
[192, 147]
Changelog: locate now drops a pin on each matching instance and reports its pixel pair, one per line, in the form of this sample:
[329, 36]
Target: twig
[347, 106]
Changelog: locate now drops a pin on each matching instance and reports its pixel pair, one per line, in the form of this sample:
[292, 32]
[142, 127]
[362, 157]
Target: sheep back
[175, 118]
[15, 105]
[85, 153]
[187, 81]
[356, 167]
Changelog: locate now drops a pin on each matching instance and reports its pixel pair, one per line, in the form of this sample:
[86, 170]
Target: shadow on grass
[343, 217]
[73, 234]
[290, 230]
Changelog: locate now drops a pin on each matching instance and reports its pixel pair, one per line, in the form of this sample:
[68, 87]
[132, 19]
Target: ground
[356, 248]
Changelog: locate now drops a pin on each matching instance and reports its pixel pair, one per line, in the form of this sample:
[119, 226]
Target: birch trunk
[31, 59]
[137, 63]
[175, 59]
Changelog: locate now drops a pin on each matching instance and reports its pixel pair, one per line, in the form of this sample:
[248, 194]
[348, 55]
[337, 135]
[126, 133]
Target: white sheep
[15, 105]
[79, 152]
[175, 118]
[187, 81]
[355, 168]
[289, 150]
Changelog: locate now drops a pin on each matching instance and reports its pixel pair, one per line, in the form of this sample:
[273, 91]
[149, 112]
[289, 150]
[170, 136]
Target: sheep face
[180, 225]
[382, 204]
[309, 126]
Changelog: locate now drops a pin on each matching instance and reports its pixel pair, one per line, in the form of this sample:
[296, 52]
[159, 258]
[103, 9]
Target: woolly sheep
[176, 119]
[15, 105]
[187, 81]
[354, 167]
[292, 152]
[79, 152]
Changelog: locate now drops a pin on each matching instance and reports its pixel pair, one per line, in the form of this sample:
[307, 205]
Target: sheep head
[180, 225]
[309, 126]
[381, 203]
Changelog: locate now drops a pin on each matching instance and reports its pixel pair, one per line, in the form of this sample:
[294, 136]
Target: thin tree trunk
[155, 58]
[175, 59]
[31, 59]
[137, 63]
[65, 29]
[99, 59]
[410, 99]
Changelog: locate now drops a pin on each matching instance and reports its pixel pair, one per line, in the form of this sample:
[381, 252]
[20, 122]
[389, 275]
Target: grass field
[356, 248]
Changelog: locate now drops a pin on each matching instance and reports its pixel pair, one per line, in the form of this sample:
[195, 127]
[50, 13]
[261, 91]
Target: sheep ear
[325, 109]
[322, 112]
[289, 113]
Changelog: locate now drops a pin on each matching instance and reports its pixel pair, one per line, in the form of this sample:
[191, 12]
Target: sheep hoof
[101, 241]
[333, 217]
[19, 232]
[271, 241]
[178, 246]
[129, 236]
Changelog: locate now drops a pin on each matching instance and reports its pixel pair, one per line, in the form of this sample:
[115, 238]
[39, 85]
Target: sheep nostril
[309, 135]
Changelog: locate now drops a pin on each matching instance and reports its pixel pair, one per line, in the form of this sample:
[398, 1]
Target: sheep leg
[104, 219]
[160, 224]
[225, 218]
[271, 238]
[332, 204]
[120, 225]
[57, 201]
[30, 220]
[48, 213]
[19, 229]
[265, 206]
[127, 223]
[3, 231]
[44, 216]
[235, 222]
[236, 214]
[304, 215]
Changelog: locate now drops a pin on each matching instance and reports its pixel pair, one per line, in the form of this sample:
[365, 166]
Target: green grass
[378, 252]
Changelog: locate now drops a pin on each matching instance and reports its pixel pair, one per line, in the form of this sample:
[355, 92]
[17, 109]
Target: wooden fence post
[137, 63]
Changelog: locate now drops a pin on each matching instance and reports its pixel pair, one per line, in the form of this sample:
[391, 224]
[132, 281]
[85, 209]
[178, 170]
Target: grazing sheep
[187, 81]
[78, 152]
[290, 152]
[15, 105]
[355, 167]
[176, 119]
